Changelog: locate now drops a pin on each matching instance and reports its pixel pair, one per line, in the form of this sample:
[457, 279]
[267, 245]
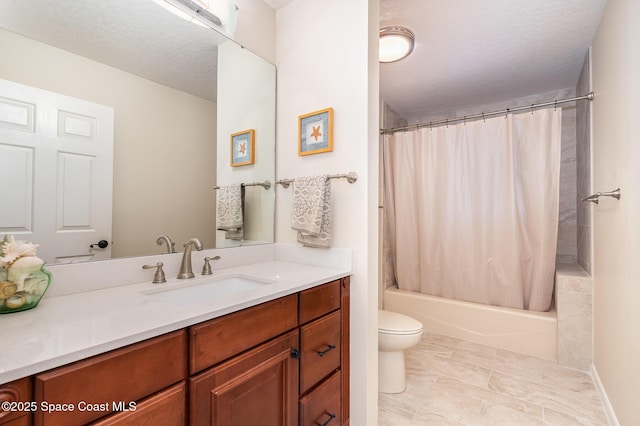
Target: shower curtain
[471, 210]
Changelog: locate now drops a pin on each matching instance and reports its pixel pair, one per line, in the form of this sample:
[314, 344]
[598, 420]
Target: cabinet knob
[295, 353]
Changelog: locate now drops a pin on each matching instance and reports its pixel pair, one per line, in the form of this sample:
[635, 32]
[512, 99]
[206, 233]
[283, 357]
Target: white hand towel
[311, 215]
[230, 211]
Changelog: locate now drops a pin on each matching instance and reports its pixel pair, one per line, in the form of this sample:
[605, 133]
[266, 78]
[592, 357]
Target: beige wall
[320, 67]
[161, 136]
[616, 224]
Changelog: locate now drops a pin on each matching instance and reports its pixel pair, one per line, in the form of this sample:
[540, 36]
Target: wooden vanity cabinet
[113, 381]
[323, 325]
[284, 362]
[18, 391]
[295, 378]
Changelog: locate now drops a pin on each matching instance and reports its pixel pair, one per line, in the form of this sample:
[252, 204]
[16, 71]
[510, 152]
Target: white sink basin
[187, 292]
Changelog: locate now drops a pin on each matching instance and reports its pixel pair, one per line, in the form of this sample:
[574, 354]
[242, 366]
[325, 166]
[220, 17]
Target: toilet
[396, 333]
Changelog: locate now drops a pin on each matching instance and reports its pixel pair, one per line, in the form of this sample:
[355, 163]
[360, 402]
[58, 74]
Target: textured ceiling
[137, 36]
[476, 52]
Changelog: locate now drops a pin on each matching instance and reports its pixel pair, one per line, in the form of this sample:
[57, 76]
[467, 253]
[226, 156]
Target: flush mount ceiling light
[217, 14]
[395, 43]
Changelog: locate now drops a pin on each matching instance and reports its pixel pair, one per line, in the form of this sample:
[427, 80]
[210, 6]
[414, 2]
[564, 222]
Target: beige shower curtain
[471, 210]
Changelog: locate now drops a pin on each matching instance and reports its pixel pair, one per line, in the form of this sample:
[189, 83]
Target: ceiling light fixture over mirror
[217, 14]
[395, 43]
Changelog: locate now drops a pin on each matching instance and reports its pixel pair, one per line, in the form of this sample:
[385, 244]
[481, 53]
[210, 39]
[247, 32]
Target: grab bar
[594, 198]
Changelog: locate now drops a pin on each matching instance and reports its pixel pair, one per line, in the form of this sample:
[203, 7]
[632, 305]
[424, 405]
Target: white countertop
[71, 327]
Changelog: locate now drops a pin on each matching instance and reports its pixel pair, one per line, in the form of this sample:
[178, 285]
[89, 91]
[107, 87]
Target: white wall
[616, 224]
[326, 54]
[246, 89]
[161, 135]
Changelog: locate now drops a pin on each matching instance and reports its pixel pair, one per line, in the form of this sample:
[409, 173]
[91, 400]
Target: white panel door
[56, 170]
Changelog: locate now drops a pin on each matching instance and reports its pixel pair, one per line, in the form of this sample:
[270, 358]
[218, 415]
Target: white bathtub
[527, 332]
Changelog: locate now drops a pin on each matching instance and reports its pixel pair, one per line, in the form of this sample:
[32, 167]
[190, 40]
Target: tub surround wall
[574, 304]
[583, 168]
[389, 118]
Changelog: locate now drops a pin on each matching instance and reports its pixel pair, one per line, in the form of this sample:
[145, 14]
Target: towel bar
[266, 184]
[351, 177]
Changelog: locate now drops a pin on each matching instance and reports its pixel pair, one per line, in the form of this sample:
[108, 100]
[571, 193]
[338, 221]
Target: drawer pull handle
[322, 353]
[331, 417]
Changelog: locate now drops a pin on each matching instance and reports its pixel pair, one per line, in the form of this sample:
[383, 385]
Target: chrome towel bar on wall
[594, 198]
[351, 177]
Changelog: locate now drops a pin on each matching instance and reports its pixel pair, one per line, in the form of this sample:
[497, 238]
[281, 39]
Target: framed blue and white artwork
[242, 148]
[315, 132]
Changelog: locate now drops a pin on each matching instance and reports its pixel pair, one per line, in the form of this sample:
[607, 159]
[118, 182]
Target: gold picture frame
[243, 148]
[315, 132]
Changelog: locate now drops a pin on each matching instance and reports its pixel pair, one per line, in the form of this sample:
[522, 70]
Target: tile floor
[456, 382]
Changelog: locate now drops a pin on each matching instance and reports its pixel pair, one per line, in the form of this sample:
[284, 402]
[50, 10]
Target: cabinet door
[164, 408]
[258, 387]
[17, 391]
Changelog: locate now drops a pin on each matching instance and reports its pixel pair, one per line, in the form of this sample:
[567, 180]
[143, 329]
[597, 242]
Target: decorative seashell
[13, 250]
[16, 301]
[22, 268]
[7, 289]
[36, 285]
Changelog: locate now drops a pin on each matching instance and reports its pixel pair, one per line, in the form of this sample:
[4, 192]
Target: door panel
[57, 154]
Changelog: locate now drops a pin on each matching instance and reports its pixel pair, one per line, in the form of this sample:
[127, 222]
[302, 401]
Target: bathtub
[526, 332]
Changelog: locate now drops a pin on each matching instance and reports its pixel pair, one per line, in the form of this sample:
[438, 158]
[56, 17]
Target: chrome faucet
[185, 266]
[167, 241]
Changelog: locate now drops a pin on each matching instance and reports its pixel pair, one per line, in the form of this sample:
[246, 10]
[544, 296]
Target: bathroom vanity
[252, 358]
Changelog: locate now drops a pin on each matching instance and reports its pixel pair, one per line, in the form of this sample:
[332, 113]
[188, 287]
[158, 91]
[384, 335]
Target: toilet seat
[396, 323]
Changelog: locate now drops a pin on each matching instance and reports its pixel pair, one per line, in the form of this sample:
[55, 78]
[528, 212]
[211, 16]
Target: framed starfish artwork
[243, 148]
[315, 132]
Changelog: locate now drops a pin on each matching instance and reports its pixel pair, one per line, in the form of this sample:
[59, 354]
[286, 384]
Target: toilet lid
[395, 323]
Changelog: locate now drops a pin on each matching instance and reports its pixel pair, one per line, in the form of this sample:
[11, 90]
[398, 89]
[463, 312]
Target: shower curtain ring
[484, 120]
[465, 120]
[430, 127]
[555, 105]
[532, 108]
[507, 114]
[447, 123]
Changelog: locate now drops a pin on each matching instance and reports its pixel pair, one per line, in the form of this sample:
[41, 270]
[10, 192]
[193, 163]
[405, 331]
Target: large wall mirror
[175, 91]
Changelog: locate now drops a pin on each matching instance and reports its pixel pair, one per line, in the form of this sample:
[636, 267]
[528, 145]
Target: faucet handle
[158, 277]
[206, 269]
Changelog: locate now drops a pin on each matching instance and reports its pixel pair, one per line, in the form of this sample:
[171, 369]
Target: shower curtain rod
[589, 97]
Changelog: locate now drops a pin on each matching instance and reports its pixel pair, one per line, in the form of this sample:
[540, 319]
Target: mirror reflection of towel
[311, 215]
[230, 211]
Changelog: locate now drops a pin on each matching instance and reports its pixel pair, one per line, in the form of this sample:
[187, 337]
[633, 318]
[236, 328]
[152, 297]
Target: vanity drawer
[167, 407]
[320, 350]
[318, 301]
[224, 337]
[322, 406]
[123, 375]
[16, 391]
